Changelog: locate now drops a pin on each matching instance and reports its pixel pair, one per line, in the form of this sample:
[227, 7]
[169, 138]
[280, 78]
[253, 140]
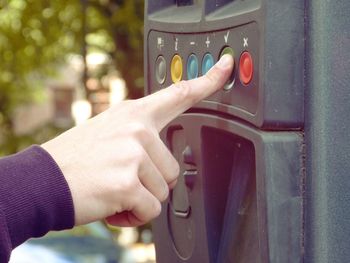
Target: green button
[227, 50]
[231, 81]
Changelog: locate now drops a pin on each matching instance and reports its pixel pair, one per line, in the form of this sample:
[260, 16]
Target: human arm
[34, 198]
[114, 166]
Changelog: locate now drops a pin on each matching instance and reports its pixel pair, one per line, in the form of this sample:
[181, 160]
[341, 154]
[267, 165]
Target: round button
[192, 67]
[246, 68]
[231, 81]
[176, 69]
[227, 50]
[160, 69]
[207, 63]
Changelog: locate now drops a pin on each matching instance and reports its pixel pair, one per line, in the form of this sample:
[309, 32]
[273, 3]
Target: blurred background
[62, 62]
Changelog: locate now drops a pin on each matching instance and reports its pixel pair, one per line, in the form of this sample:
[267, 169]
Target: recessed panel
[238, 198]
[268, 41]
[180, 49]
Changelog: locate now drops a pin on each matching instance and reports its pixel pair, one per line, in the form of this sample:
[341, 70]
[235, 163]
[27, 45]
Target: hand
[116, 165]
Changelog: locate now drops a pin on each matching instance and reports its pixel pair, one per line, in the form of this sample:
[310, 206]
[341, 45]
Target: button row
[246, 67]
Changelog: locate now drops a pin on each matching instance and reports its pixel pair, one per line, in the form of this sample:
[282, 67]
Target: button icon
[207, 42]
[160, 43]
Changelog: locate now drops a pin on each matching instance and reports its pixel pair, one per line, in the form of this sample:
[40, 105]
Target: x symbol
[245, 40]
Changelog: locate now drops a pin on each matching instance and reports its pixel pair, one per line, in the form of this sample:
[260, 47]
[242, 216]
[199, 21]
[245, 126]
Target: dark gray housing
[264, 166]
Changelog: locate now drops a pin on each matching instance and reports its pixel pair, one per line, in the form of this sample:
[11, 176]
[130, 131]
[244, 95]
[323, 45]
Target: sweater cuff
[34, 195]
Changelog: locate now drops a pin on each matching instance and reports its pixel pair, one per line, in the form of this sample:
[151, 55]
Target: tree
[34, 37]
[37, 35]
[121, 24]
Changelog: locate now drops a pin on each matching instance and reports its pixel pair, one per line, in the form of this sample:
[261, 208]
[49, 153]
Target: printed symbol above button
[176, 44]
[245, 42]
[207, 42]
[160, 43]
[226, 36]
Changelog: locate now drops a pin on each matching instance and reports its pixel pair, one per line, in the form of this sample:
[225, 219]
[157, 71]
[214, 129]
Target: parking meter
[240, 194]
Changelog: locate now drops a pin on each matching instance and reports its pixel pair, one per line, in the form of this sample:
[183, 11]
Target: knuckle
[165, 194]
[140, 131]
[137, 128]
[183, 91]
[139, 154]
[173, 184]
[213, 75]
[157, 209]
[130, 185]
[176, 169]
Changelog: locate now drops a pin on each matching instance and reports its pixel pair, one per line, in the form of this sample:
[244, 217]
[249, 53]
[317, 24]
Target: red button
[246, 68]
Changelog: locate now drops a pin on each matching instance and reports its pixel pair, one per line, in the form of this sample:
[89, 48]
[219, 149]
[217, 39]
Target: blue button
[207, 63]
[192, 67]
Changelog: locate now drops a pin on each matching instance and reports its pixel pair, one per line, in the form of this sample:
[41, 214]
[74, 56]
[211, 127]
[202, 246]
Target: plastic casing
[278, 43]
[248, 209]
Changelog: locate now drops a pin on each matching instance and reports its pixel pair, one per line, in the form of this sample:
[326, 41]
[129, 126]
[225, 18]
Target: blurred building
[66, 101]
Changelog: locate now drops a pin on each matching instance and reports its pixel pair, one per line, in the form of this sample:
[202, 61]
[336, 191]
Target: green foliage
[120, 24]
[37, 35]
[34, 37]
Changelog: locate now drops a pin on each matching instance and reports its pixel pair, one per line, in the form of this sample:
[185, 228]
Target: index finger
[165, 105]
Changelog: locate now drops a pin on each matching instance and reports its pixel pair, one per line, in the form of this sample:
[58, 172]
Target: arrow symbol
[226, 36]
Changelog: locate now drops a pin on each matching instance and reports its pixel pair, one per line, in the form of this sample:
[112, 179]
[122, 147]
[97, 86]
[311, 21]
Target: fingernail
[225, 61]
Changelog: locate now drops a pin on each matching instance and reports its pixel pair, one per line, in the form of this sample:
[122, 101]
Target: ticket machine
[241, 195]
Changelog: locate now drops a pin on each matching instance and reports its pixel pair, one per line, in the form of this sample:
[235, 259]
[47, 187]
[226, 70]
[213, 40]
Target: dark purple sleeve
[34, 198]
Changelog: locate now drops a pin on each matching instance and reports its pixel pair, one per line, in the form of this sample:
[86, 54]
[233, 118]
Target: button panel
[198, 52]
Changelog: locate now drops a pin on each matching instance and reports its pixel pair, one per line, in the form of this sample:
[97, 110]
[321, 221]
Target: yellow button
[176, 68]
